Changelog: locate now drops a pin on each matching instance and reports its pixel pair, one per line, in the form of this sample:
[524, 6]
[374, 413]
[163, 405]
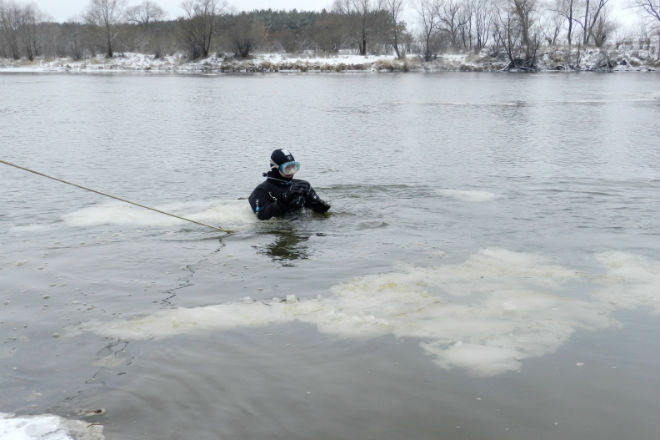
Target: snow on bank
[47, 427]
[556, 59]
[136, 62]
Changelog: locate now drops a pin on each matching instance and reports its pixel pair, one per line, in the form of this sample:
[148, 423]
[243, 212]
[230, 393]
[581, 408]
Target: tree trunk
[395, 44]
[108, 53]
[569, 32]
[585, 37]
[363, 34]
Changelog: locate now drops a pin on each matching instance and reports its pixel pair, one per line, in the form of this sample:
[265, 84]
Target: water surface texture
[489, 268]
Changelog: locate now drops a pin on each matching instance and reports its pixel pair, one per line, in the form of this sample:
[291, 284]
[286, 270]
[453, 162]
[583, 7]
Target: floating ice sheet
[47, 427]
[226, 213]
[485, 315]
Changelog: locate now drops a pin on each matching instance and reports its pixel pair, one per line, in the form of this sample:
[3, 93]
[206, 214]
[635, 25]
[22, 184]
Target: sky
[63, 10]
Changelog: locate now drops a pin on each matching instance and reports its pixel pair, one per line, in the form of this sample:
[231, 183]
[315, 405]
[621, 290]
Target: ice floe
[225, 213]
[486, 314]
[47, 427]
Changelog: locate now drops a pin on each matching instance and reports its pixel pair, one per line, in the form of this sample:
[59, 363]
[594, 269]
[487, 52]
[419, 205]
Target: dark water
[489, 269]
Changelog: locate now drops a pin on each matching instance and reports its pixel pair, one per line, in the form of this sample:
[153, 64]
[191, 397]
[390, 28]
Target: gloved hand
[293, 199]
[298, 202]
[301, 187]
[316, 203]
[320, 206]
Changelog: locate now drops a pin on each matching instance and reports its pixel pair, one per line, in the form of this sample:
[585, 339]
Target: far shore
[557, 59]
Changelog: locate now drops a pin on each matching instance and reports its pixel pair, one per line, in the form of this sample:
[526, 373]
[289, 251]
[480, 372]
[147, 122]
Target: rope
[114, 197]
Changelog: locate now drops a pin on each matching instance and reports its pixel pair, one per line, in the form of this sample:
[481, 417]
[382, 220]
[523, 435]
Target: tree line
[518, 28]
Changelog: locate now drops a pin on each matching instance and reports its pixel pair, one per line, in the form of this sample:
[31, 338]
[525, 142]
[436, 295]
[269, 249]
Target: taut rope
[113, 197]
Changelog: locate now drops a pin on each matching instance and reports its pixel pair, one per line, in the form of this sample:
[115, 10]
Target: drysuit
[277, 196]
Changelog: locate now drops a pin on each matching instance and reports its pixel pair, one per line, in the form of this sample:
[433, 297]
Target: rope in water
[217, 228]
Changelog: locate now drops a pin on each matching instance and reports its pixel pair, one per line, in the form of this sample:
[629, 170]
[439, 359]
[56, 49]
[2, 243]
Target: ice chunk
[234, 213]
[47, 427]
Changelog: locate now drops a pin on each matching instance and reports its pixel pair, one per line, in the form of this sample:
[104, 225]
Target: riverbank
[556, 59]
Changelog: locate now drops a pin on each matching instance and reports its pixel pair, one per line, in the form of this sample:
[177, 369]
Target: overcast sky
[63, 10]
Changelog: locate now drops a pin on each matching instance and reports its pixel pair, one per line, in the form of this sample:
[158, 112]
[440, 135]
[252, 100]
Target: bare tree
[362, 13]
[567, 9]
[592, 11]
[73, 44]
[429, 16]
[10, 22]
[29, 16]
[328, 32]
[482, 15]
[515, 31]
[551, 23]
[525, 10]
[106, 14]
[199, 25]
[394, 11]
[246, 32]
[505, 32]
[651, 8]
[601, 30]
[451, 20]
[19, 29]
[145, 13]
[466, 20]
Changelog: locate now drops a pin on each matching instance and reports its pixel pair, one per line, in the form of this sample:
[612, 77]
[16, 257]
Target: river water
[489, 268]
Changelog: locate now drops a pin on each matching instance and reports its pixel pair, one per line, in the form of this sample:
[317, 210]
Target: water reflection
[289, 240]
[290, 236]
[288, 245]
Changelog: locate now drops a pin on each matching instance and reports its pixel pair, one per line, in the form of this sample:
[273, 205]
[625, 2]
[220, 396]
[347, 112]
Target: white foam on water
[223, 213]
[47, 427]
[485, 315]
[469, 196]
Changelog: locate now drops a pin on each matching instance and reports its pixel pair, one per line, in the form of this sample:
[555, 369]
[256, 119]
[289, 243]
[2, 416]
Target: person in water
[280, 193]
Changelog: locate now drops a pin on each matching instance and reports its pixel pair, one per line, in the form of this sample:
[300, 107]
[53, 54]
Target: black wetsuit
[277, 196]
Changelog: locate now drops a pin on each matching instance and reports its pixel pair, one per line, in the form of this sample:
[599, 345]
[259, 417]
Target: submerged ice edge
[485, 315]
[469, 196]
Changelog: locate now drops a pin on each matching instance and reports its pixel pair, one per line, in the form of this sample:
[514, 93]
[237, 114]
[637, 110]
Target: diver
[280, 193]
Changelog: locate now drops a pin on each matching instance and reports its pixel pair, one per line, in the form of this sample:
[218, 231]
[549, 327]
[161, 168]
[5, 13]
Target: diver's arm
[316, 203]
